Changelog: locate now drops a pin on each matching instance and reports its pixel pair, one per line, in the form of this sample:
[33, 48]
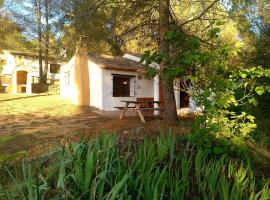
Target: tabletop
[138, 102]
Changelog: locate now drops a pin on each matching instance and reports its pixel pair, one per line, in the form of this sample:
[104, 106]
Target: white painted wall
[66, 90]
[8, 68]
[143, 88]
[96, 82]
[31, 63]
[131, 57]
[101, 86]
[138, 59]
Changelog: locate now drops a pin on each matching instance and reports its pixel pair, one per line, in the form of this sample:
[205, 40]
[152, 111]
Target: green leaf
[218, 150]
[259, 90]
[251, 118]
[213, 33]
[253, 101]
[267, 89]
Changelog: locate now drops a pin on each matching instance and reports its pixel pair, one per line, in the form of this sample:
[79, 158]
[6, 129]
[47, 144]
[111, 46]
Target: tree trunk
[39, 26]
[170, 113]
[47, 40]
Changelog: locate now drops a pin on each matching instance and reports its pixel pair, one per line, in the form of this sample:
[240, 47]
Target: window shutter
[132, 87]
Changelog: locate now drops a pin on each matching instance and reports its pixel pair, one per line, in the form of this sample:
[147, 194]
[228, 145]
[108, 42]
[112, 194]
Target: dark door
[184, 96]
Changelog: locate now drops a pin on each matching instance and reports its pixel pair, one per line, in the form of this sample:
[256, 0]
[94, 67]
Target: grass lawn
[21, 119]
[33, 124]
[4, 97]
[24, 104]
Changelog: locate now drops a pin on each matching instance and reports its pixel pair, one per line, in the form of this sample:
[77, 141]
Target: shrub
[161, 168]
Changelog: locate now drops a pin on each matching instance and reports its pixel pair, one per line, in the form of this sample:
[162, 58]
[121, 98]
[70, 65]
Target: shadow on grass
[36, 133]
[26, 97]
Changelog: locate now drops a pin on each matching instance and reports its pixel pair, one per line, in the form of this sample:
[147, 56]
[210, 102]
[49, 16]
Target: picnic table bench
[138, 107]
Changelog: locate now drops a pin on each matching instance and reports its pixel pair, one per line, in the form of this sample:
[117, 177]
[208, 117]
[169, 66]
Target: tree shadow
[26, 97]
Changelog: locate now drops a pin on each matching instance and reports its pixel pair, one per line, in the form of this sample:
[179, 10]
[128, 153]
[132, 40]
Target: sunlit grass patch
[50, 104]
[6, 97]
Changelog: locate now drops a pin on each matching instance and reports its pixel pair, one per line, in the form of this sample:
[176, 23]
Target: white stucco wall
[96, 82]
[31, 63]
[101, 86]
[9, 67]
[143, 88]
[95, 75]
[66, 90]
[138, 59]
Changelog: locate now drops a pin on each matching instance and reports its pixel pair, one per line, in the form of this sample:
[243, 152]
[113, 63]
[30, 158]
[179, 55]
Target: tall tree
[170, 114]
[38, 19]
[38, 5]
[47, 37]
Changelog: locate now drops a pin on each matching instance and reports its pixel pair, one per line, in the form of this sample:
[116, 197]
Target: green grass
[5, 139]
[5, 97]
[12, 156]
[52, 105]
[160, 168]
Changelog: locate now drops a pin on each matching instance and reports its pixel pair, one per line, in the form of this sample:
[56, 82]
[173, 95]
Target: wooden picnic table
[138, 107]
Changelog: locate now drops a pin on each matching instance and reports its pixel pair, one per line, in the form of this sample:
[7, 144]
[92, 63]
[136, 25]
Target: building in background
[19, 71]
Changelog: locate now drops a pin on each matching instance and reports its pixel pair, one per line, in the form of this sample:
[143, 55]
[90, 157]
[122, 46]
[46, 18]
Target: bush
[161, 168]
[54, 88]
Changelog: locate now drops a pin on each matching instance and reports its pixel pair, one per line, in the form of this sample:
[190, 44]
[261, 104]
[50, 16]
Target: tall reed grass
[160, 168]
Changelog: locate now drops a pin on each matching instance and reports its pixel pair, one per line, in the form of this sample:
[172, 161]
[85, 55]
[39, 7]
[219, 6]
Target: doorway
[21, 81]
[184, 96]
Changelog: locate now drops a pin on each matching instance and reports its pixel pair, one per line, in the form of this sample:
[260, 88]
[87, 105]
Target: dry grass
[23, 104]
[37, 123]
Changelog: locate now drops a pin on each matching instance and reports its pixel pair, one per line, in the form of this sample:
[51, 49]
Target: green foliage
[11, 35]
[161, 168]
[220, 88]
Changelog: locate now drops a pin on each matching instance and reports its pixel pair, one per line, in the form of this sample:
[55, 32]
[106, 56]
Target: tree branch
[201, 14]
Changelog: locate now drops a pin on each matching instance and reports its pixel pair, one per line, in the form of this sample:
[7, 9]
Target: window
[54, 68]
[123, 85]
[21, 77]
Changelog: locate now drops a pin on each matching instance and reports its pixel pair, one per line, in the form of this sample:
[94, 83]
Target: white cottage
[109, 80]
[19, 70]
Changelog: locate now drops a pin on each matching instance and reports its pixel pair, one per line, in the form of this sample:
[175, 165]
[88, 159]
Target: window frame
[54, 71]
[131, 91]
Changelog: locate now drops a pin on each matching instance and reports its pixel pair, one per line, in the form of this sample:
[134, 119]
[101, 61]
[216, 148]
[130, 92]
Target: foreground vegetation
[160, 168]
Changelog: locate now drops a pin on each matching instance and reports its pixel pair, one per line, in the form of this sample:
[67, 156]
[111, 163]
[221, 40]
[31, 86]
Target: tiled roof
[116, 63]
[32, 54]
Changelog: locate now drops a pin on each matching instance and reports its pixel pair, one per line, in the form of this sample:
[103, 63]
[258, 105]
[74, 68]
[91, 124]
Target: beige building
[20, 70]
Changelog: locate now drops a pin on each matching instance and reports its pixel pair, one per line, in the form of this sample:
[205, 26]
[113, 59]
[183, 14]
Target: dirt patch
[37, 135]
[40, 123]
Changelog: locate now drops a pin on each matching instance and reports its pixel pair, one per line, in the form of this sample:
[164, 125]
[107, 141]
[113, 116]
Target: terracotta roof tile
[116, 63]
